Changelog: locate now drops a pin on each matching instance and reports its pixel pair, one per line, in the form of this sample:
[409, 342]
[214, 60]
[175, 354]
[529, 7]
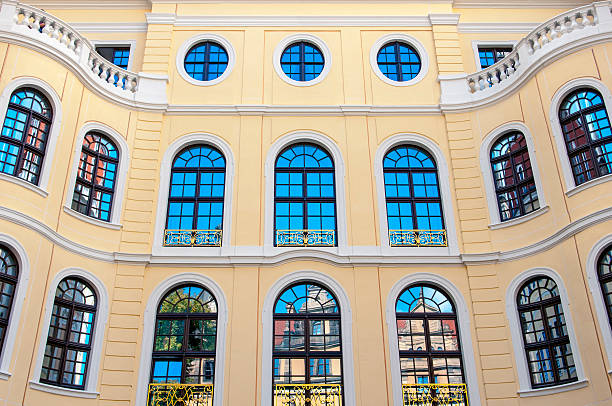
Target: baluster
[482, 83]
[111, 76]
[64, 39]
[493, 77]
[36, 22]
[47, 28]
[17, 17]
[472, 85]
[55, 34]
[574, 22]
[502, 73]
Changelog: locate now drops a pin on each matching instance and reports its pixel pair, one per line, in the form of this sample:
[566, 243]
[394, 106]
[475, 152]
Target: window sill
[57, 390]
[521, 219]
[555, 389]
[23, 183]
[587, 185]
[4, 375]
[95, 222]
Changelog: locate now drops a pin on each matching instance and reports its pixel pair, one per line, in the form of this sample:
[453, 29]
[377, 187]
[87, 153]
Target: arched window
[429, 343]
[412, 191]
[9, 271]
[23, 140]
[513, 177]
[305, 197]
[588, 135]
[71, 328]
[95, 183]
[185, 344]
[545, 336]
[195, 200]
[604, 271]
[307, 349]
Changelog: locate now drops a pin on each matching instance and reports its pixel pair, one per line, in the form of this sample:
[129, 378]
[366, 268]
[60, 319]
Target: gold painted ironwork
[179, 394]
[305, 238]
[417, 238]
[435, 394]
[307, 395]
[193, 238]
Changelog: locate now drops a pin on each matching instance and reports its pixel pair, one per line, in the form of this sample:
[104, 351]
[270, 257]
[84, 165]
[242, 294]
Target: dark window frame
[23, 146]
[11, 280]
[302, 63]
[108, 53]
[398, 61]
[207, 52]
[605, 278]
[506, 49]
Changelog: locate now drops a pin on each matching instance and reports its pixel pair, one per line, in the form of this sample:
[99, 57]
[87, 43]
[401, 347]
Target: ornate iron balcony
[307, 395]
[435, 394]
[193, 238]
[417, 238]
[305, 238]
[178, 394]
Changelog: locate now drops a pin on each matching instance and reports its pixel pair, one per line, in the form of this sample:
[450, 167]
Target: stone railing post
[8, 10]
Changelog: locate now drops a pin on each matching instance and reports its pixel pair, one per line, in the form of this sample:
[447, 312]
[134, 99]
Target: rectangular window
[490, 55]
[118, 55]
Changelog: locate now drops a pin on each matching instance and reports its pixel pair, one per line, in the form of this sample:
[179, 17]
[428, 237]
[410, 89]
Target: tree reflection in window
[307, 336]
[9, 271]
[185, 337]
[547, 345]
[23, 139]
[428, 337]
[604, 271]
[197, 188]
[588, 135]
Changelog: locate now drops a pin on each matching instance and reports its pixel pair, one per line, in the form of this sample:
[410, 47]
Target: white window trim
[148, 332]
[555, 104]
[332, 148]
[182, 53]
[445, 194]
[120, 180]
[410, 40]
[282, 45]
[465, 332]
[56, 124]
[488, 44]
[19, 298]
[525, 389]
[120, 44]
[101, 322]
[346, 321]
[598, 299]
[485, 167]
[164, 190]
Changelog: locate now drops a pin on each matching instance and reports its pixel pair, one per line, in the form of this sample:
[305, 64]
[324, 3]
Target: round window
[399, 61]
[302, 61]
[206, 61]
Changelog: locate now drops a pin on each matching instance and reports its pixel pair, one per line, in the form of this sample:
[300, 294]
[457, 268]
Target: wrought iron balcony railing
[193, 238]
[305, 238]
[307, 395]
[417, 238]
[178, 394]
[435, 394]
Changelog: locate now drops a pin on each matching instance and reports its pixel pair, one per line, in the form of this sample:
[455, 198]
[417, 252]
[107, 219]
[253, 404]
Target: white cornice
[254, 256]
[301, 110]
[444, 19]
[518, 3]
[90, 4]
[110, 27]
[499, 27]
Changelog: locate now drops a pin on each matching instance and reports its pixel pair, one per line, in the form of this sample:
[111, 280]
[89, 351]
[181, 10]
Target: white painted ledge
[57, 390]
[91, 220]
[588, 185]
[18, 181]
[555, 389]
[519, 220]
[5, 375]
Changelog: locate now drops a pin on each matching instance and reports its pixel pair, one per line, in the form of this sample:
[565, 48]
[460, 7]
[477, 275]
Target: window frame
[302, 37]
[187, 45]
[131, 44]
[408, 39]
[477, 44]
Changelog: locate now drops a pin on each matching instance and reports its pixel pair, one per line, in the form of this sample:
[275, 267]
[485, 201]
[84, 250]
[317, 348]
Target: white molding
[517, 4]
[160, 18]
[445, 195]
[598, 299]
[410, 40]
[555, 125]
[148, 332]
[91, 220]
[496, 27]
[520, 220]
[23, 183]
[109, 27]
[187, 45]
[56, 123]
[120, 179]
[301, 110]
[589, 184]
[292, 39]
[444, 18]
[164, 190]
[101, 321]
[487, 172]
[18, 304]
[58, 390]
[555, 389]
[339, 173]
[465, 333]
[5, 376]
[131, 43]
[488, 44]
[516, 331]
[346, 321]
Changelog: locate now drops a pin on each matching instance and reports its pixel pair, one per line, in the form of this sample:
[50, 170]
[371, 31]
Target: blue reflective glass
[302, 61]
[399, 61]
[206, 61]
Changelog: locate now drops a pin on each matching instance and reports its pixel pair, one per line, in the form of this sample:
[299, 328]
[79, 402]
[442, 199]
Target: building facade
[305, 203]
